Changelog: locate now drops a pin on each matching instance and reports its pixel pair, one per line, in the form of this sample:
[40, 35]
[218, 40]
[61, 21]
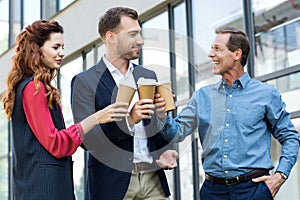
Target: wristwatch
[283, 176]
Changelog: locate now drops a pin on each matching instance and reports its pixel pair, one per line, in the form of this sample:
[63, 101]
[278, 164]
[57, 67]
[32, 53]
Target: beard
[128, 52]
[131, 55]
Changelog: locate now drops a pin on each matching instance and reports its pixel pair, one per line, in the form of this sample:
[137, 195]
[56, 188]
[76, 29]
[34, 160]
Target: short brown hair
[238, 40]
[111, 20]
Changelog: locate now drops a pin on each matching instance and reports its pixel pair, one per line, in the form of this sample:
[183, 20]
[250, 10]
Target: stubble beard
[131, 56]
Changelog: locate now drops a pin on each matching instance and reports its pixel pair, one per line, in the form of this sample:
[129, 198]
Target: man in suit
[123, 154]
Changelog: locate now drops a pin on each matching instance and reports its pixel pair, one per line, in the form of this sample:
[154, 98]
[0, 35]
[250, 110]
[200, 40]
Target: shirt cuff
[130, 128]
[80, 131]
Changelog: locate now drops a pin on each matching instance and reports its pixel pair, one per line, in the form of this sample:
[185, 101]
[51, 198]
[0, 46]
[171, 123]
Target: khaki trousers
[145, 186]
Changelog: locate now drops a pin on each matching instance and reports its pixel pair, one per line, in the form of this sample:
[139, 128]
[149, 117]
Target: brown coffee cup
[165, 92]
[125, 94]
[146, 91]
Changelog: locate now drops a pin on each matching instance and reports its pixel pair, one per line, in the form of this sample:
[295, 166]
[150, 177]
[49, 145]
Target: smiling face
[52, 51]
[129, 39]
[223, 60]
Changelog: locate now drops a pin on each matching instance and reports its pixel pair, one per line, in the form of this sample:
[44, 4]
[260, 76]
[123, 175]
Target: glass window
[186, 171]
[186, 166]
[67, 72]
[293, 184]
[277, 39]
[155, 53]
[4, 25]
[90, 59]
[49, 9]
[100, 51]
[289, 87]
[3, 156]
[64, 3]
[204, 25]
[181, 52]
[32, 11]
[16, 20]
[182, 94]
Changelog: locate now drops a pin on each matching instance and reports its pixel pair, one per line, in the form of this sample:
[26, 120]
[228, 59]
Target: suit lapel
[135, 74]
[106, 79]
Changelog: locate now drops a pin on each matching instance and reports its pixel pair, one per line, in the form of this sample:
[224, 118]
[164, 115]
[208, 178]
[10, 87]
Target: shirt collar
[220, 84]
[243, 81]
[113, 69]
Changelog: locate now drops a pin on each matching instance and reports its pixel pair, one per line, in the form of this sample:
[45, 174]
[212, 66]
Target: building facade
[178, 35]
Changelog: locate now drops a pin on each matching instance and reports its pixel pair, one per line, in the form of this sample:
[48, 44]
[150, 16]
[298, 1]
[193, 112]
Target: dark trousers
[242, 191]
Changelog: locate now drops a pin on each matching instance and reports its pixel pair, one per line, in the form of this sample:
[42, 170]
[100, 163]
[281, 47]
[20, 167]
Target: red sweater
[60, 143]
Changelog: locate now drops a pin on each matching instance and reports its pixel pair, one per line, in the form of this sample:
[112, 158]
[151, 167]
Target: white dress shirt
[141, 151]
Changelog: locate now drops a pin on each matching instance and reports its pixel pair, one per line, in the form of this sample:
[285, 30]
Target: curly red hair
[27, 62]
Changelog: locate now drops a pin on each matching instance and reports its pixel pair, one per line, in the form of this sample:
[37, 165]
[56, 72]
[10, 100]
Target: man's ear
[238, 54]
[109, 37]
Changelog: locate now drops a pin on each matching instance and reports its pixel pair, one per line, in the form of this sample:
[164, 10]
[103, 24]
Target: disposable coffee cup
[125, 94]
[146, 88]
[146, 91]
[165, 91]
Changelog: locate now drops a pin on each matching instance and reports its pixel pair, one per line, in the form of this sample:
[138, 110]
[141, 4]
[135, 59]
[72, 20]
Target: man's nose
[211, 53]
[140, 40]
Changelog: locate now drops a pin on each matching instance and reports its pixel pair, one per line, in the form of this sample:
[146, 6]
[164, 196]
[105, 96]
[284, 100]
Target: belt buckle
[232, 181]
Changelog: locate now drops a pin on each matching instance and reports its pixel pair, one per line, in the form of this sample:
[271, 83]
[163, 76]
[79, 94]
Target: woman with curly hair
[42, 145]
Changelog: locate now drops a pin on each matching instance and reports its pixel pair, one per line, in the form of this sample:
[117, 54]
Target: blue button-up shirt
[235, 126]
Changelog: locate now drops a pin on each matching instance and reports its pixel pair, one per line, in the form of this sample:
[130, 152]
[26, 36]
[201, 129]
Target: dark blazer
[36, 173]
[111, 145]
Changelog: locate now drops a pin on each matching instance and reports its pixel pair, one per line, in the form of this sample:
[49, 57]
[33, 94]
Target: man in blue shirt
[235, 119]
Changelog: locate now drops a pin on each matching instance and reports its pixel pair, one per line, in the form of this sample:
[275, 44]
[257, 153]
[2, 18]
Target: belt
[143, 166]
[237, 179]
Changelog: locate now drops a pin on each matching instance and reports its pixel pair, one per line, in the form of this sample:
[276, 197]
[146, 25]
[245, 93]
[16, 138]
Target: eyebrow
[215, 45]
[57, 43]
[134, 31]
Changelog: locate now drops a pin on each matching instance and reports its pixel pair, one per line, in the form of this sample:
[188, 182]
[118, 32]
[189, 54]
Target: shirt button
[225, 156]
[228, 110]
[226, 140]
[230, 95]
[226, 172]
[227, 125]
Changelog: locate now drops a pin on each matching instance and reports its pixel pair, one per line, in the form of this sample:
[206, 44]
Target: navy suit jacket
[111, 145]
